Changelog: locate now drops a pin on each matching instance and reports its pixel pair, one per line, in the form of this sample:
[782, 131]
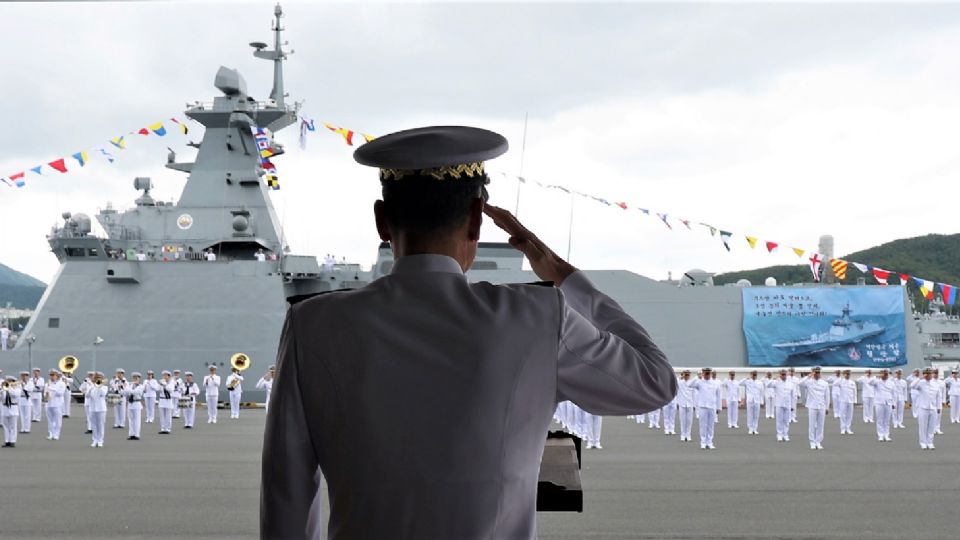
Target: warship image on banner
[843, 331]
[193, 283]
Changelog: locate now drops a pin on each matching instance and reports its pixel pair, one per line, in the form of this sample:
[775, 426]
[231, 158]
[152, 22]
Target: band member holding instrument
[191, 391]
[25, 403]
[150, 388]
[120, 408]
[54, 403]
[211, 386]
[67, 379]
[235, 386]
[266, 383]
[96, 393]
[177, 392]
[86, 404]
[133, 395]
[10, 393]
[165, 402]
[36, 396]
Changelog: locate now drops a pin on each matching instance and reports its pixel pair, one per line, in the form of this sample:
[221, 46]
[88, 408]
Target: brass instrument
[233, 383]
[68, 364]
[240, 361]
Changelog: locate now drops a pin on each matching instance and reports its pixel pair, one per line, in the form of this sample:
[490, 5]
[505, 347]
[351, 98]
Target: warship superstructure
[180, 285]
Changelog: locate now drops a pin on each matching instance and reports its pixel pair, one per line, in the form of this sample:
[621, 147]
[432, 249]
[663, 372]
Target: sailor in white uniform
[768, 395]
[25, 402]
[915, 376]
[168, 388]
[36, 395]
[686, 404]
[785, 400]
[211, 387]
[150, 388]
[669, 415]
[133, 395]
[942, 389]
[884, 403]
[835, 393]
[653, 419]
[177, 392]
[54, 405]
[953, 392]
[266, 384]
[120, 408]
[86, 404]
[190, 390]
[10, 393]
[462, 358]
[235, 391]
[592, 429]
[926, 402]
[818, 401]
[67, 379]
[732, 388]
[847, 396]
[708, 397]
[796, 403]
[900, 398]
[866, 391]
[96, 393]
[754, 395]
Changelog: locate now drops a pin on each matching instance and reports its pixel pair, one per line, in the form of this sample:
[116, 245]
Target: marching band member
[165, 399]
[10, 393]
[120, 409]
[96, 394]
[818, 399]
[883, 390]
[177, 392]
[686, 403]
[266, 383]
[900, 397]
[211, 385]
[26, 401]
[754, 393]
[133, 395]
[926, 401]
[732, 387]
[768, 395]
[235, 386]
[708, 399]
[150, 389]
[847, 396]
[36, 396]
[54, 390]
[191, 390]
[785, 399]
[88, 380]
[868, 394]
[67, 380]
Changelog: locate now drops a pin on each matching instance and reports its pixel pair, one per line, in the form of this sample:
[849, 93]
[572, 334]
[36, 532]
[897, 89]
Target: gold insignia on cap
[471, 170]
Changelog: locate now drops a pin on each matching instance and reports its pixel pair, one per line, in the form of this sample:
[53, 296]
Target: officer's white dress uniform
[848, 397]
[868, 394]
[834, 394]
[942, 389]
[818, 400]
[901, 391]
[54, 406]
[36, 398]
[913, 377]
[235, 394]
[953, 391]
[9, 412]
[769, 393]
[884, 405]
[926, 402]
[755, 391]
[491, 360]
[68, 382]
[784, 399]
[686, 404]
[708, 399]
[211, 386]
[669, 415]
[97, 395]
[796, 401]
[732, 387]
[25, 404]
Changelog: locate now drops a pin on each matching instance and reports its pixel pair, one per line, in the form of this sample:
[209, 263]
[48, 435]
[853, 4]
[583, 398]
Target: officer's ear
[475, 219]
[380, 216]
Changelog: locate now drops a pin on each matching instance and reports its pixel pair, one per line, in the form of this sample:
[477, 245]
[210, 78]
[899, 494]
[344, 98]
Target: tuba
[68, 364]
[240, 361]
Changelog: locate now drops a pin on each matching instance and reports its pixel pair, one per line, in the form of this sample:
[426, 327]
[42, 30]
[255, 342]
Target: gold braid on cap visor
[447, 172]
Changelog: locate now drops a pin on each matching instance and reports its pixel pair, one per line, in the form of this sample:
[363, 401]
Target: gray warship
[179, 285]
[843, 331]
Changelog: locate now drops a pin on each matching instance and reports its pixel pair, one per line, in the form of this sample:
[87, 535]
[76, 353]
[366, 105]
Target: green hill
[19, 289]
[935, 257]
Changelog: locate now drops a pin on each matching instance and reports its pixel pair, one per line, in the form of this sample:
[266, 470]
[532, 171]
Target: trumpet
[7, 385]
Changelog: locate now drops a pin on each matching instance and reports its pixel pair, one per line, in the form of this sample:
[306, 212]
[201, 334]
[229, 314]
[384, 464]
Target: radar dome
[240, 223]
[83, 223]
[744, 283]
[696, 278]
[770, 281]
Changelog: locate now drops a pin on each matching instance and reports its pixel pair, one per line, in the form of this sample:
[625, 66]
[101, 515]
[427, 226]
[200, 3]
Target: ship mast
[277, 55]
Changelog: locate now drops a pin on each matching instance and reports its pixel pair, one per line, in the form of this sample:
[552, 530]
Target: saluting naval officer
[686, 402]
[900, 398]
[884, 404]
[754, 390]
[708, 399]
[785, 398]
[732, 387]
[926, 402]
[463, 358]
[818, 401]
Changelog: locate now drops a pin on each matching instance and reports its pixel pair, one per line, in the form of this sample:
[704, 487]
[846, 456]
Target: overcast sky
[779, 121]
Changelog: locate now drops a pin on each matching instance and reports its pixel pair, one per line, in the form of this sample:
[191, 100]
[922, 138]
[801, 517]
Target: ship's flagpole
[523, 150]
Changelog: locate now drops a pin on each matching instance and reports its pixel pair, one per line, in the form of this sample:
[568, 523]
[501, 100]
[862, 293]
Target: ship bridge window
[950, 339]
[92, 252]
[484, 265]
[53, 322]
[75, 252]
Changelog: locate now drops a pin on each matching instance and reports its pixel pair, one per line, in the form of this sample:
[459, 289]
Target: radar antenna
[277, 55]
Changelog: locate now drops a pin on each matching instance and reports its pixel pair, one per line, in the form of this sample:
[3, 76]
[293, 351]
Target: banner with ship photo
[828, 326]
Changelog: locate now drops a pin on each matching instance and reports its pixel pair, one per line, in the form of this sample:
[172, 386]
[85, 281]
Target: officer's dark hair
[427, 206]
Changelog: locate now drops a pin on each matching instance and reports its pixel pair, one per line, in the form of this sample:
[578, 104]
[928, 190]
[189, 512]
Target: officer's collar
[426, 263]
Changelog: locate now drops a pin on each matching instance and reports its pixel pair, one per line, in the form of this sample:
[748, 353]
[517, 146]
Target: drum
[184, 403]
[114, 399]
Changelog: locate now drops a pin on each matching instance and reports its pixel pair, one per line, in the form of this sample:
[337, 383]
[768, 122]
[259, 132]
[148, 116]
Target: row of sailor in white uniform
[23, 400]
[884, 404]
